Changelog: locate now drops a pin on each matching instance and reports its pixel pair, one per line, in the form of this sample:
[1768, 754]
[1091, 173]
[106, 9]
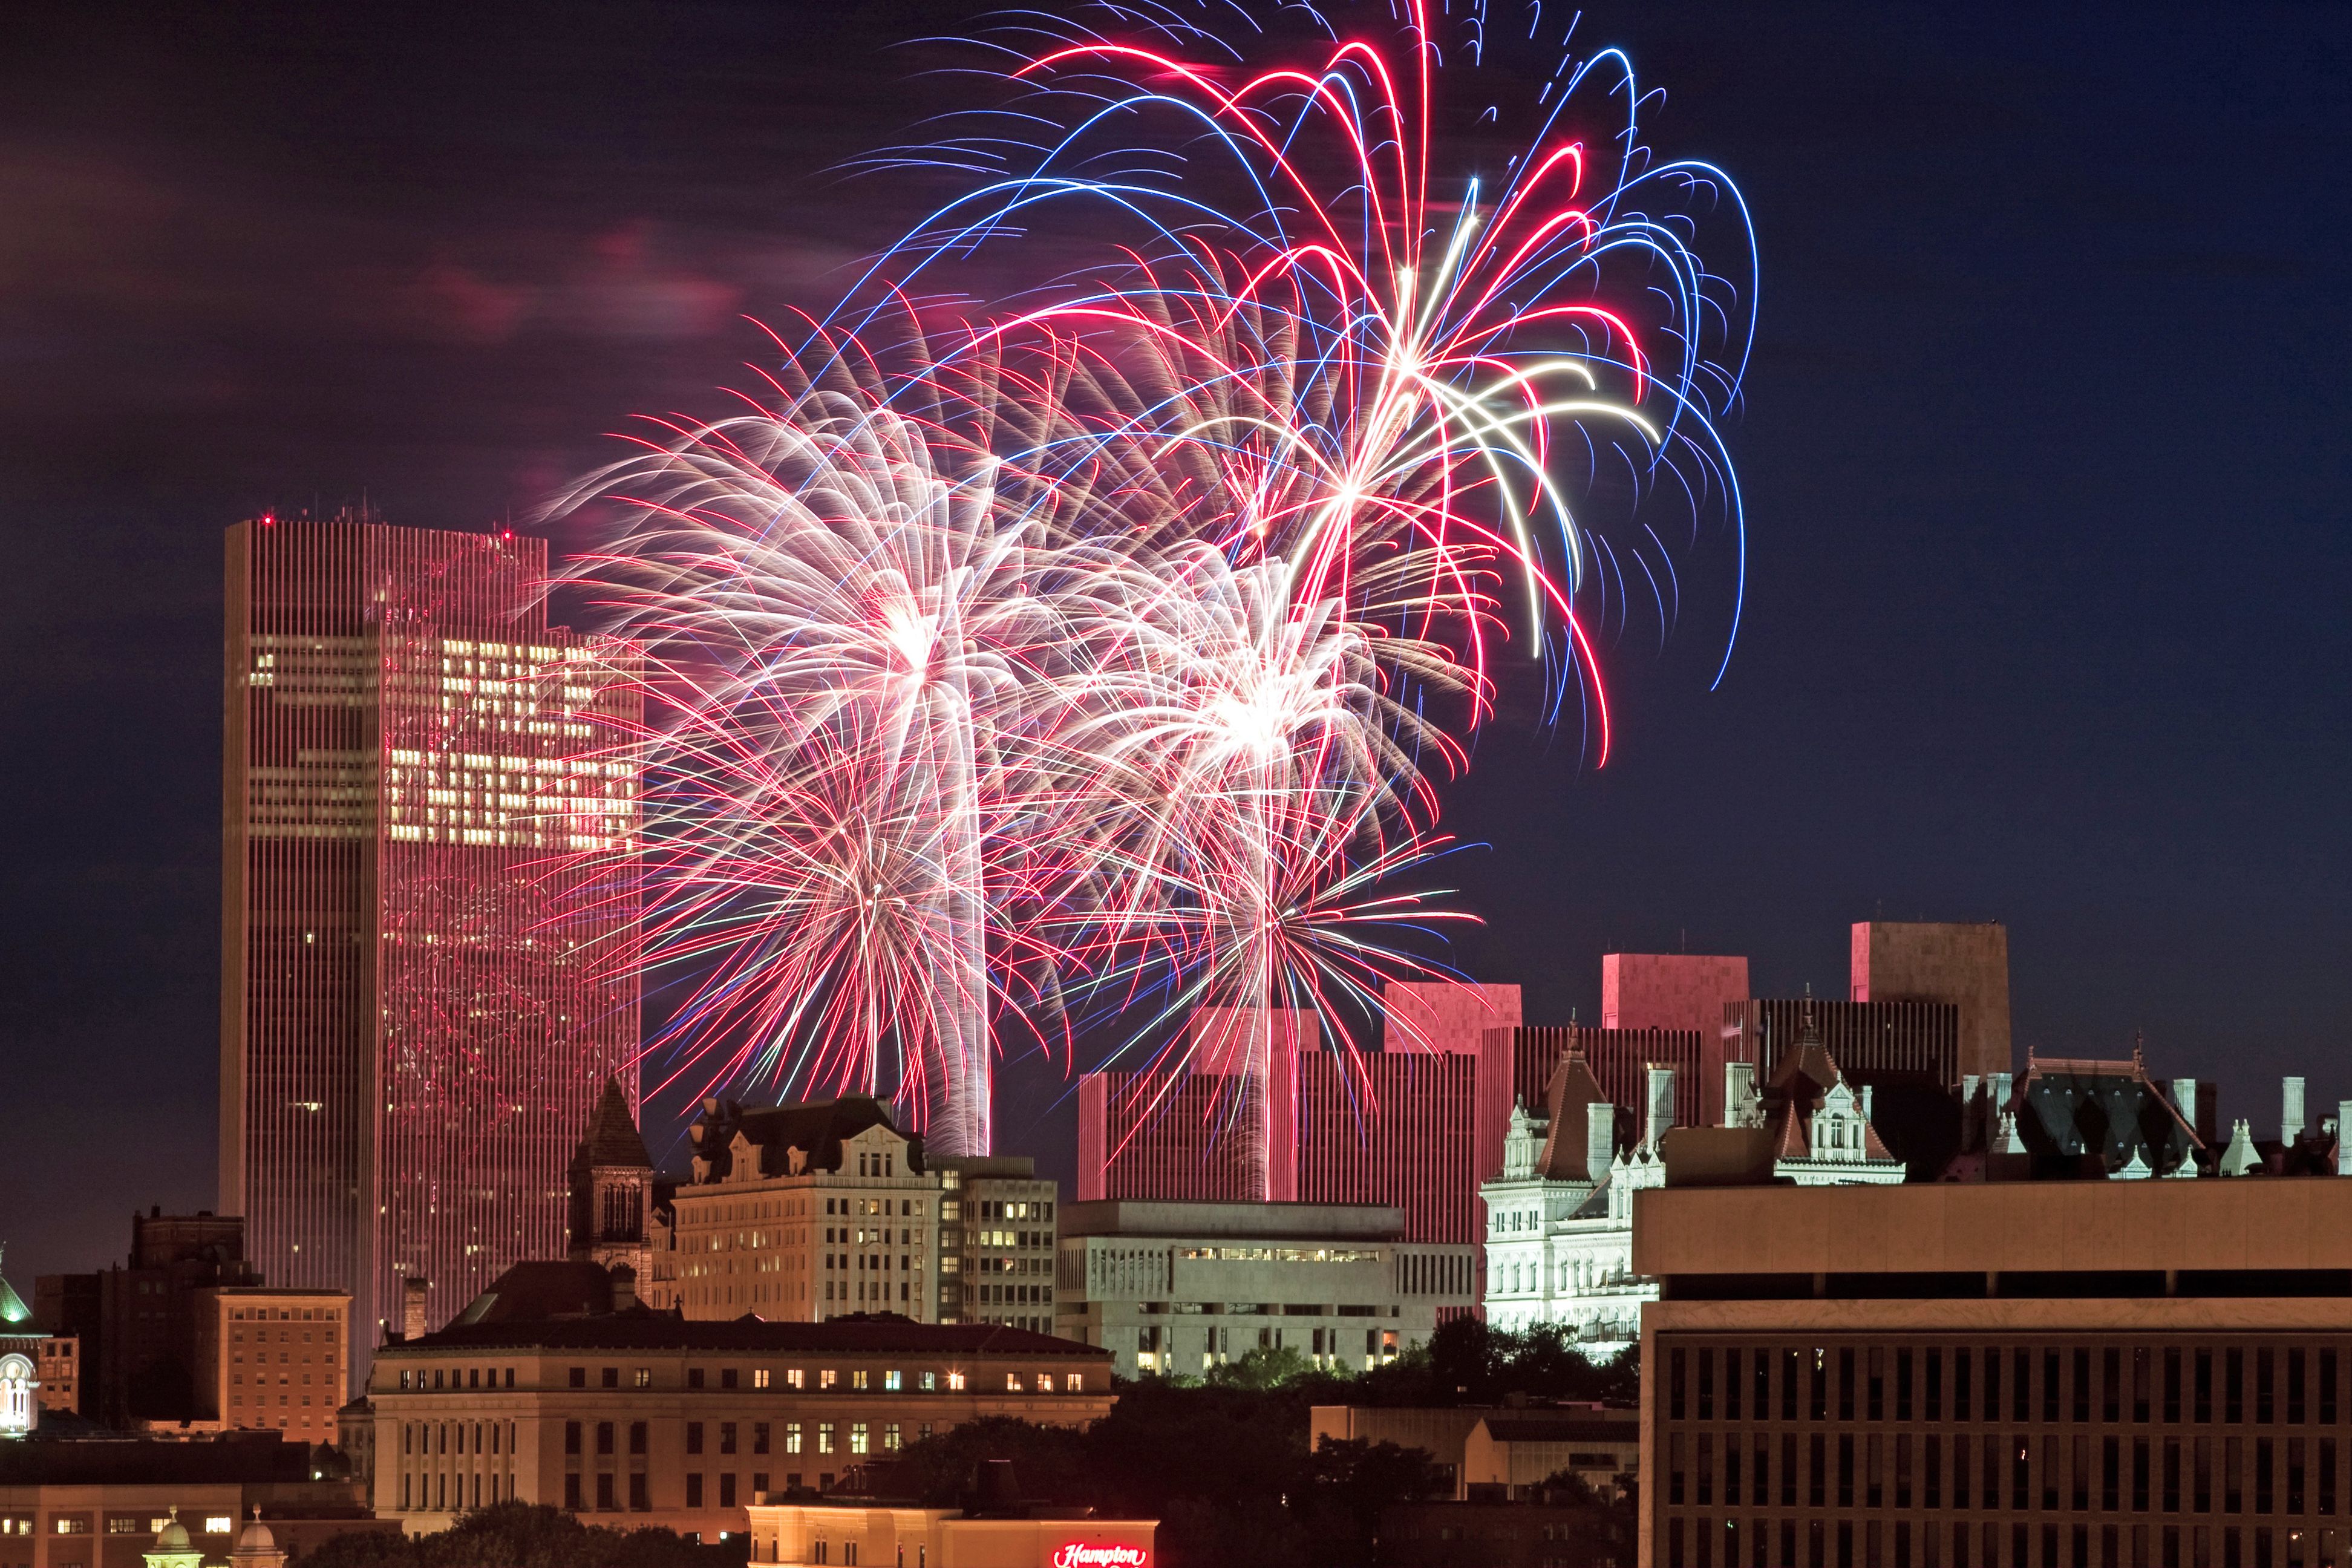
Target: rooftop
[1267, 1222]
[644, 1329]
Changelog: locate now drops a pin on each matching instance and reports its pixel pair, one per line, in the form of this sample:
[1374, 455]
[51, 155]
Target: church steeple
[612, 1187]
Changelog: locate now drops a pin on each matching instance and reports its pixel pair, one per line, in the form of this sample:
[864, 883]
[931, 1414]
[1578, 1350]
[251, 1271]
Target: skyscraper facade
[428, 968]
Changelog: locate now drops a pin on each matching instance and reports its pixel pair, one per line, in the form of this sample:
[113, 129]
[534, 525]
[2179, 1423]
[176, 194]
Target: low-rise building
[109, 1502]
[816, 1532]
[801, 1213]
[557, 1386]
[1175, 1288]
[1507, 1451]
[997, 1242]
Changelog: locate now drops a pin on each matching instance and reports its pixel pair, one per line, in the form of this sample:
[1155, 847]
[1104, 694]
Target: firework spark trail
[1095, 648]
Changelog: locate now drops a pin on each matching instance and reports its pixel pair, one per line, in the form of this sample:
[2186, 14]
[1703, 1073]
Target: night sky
[2047, 447]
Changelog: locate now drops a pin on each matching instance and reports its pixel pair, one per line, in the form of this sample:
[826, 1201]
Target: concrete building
[557, 1386]
[1179, 1289]
[1677, 992]
[997, 1242]
[1499, 1535]
[419, 779]
[117, 1502]
[1993, 1374]
[1963, 964]
[809, 1532]
[800, 1214]
[271, 1360]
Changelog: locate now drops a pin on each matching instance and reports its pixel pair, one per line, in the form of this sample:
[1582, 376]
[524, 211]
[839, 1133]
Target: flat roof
[2207, 1224]
[1163, 1220]
[744, 1336]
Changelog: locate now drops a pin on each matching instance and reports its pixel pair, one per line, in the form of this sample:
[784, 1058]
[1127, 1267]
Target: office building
[1965, 964]
[799, 1212]
[422, 780]
[804, 1531]
[271, 1360]
[1874, 1041]
[997, 1242]
[1680, 992]
[559, 1388]
[1997, 1374]
[1401, 1127]
[1170, 1288]
[137, 1321]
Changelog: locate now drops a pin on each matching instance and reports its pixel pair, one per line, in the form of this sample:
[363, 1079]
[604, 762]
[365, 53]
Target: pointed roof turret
[1569, 1098]
[612, 1138]
[12, 1306]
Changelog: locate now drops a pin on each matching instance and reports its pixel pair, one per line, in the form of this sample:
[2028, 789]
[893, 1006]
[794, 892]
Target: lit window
[857, 1437]
[759, 1377]
[1012, 1383]
[219, 1523]
[1078, 1383]
[1044, 1382]
[857, 1378]
[930, 1381]
[893, 1380]
[795, 1377]
[955, 1382]
[825, 1379]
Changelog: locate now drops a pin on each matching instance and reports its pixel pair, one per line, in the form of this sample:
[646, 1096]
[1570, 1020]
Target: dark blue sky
[2047, 448]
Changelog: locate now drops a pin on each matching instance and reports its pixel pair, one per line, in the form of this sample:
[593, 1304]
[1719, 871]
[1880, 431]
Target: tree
[521, 1535]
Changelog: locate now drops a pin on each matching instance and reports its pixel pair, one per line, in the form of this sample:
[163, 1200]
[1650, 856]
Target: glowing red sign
[1086, 1555]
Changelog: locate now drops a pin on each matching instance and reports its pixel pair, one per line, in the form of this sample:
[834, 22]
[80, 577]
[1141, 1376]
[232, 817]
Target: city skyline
[2154, 831]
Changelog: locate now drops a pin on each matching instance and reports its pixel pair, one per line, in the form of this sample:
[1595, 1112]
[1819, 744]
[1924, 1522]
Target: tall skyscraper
[1963, 963]
[421, 784]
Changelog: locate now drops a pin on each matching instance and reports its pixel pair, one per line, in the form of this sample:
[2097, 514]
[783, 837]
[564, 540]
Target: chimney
[1661, 1107]
[2291, 1123]
[412, 1306]
[2344, 1137]
[2184, 1097]
[1599, 1139]
[625, 1288]
[1866, 1102]
[1738, 1091]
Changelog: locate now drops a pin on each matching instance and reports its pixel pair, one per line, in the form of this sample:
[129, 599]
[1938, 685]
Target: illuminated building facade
[798, 1213]
[997, 1235]
[1964, 963]
[421, 780]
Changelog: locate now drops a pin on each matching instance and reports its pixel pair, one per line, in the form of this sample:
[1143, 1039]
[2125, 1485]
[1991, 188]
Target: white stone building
[1559, 1239]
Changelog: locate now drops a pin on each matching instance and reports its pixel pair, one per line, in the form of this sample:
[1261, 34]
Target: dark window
[1731, 1384]
[579, 1377]
[759, 1444]
[1674, 1373]
[727, 1489]
[694, 1377]
[726, 1436]
[2295, 1476]
[2262, 1475]
[1963, 1363]
[2171, 1383]
[1935, 1411]
[571, 1491]
[694, 1491]
[1788, 1364]
[2172, 1474]
[2111, 1378]
[694, 1437]
[2139, 1475]
[2111, 1477]
[1817, 1481]
[2020, 1393]
[604, 1499]
[2234, 1475]
[1789, 1468]
[2143, 1374]
[640, 1501]
[1932, 1474]
[2204, 1388]
[2327, 1475]
[2202, 1497]
[2265, 1406]
[1960, 1447]
[571, 1437]
[2017, 1477]
[604, 1436]
[1877, 1355]
[2295, 1368]
[1845, 1469]
[2328, 1388]
[1903, 1384]
[1820, 1398]
[609, 1378]
[2234, 1387]
[1706, 1386]
[726, 1377]
[759, 1484]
